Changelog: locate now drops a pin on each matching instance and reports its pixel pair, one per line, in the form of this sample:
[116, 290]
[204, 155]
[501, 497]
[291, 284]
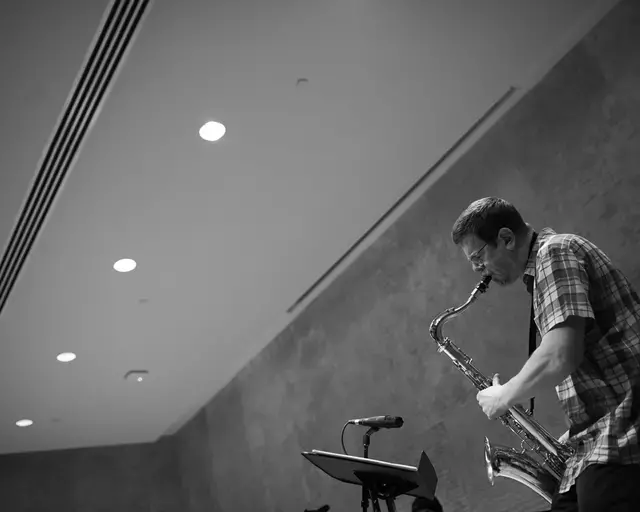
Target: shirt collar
[530, 268]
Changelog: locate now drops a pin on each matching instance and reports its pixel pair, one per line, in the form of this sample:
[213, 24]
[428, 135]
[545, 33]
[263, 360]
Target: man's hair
[484, 218]
[421, 504]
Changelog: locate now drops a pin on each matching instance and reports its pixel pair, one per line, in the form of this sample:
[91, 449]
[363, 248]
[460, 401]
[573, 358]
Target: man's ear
[508, 238]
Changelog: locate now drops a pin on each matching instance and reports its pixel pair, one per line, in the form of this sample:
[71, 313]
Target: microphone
[379, 422]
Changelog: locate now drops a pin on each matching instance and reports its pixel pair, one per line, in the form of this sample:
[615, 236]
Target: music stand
[385, 480]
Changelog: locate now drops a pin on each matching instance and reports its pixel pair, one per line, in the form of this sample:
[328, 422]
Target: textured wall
[131, 478]
[567, 155]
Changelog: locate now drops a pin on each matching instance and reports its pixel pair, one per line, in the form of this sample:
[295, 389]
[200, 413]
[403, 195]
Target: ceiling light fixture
[124, 265]
[24, 423]
[212, 131]
[66, 357]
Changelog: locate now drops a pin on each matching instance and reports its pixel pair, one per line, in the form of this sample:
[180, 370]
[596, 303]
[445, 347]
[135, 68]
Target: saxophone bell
[504, 461]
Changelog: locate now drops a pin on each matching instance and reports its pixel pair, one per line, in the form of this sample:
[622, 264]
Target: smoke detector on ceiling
[136, 375]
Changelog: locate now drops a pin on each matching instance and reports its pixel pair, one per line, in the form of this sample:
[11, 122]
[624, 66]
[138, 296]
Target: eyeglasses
[474, 259]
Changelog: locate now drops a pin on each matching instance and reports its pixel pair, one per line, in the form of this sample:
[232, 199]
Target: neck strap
[532, 323]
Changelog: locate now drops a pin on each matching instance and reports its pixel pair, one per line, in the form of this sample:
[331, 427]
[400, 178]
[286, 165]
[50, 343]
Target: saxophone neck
[448, 314]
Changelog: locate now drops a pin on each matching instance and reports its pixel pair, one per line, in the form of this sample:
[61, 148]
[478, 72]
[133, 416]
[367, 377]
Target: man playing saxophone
[588, 317]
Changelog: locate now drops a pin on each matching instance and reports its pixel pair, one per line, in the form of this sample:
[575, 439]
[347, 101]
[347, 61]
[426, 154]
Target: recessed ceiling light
[212, 131]
[124, 265]
[24, 423]
[66, 357]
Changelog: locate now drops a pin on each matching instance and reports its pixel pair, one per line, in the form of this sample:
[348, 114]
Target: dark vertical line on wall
[465, 136]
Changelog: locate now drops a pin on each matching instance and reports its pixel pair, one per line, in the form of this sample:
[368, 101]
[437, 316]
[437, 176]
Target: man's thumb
[496, 379]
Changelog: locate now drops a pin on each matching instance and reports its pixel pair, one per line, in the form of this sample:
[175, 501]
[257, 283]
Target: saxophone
[541, 468]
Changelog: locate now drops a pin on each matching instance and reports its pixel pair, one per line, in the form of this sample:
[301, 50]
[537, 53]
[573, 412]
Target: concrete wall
[568, 156]
[128, 478]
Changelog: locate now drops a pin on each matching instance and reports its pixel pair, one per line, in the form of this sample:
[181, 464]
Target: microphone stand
[366, 492]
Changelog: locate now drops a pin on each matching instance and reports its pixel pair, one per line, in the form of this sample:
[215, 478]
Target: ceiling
[227, 235]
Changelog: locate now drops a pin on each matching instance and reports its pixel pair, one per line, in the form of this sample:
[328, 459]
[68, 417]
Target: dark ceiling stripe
[114, 37]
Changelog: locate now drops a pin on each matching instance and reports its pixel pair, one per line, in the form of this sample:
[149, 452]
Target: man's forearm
[539, 372]
[558, 355]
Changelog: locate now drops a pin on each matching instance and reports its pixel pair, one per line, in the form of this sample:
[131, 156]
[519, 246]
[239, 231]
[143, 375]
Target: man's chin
[502, 282]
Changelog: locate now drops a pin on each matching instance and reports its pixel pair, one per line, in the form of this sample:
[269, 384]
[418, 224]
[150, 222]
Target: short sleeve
[562, 286]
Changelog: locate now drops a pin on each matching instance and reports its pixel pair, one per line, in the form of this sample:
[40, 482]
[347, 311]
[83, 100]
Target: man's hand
[564, 437]
[493, 400]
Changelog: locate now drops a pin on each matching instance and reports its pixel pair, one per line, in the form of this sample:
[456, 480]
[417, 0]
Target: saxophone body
[541, 460]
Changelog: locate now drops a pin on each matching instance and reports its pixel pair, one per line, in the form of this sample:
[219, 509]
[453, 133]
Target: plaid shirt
[601, 399]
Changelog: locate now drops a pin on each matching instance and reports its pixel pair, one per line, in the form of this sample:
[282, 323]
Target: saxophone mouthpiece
[484, 284]
[481, 287]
